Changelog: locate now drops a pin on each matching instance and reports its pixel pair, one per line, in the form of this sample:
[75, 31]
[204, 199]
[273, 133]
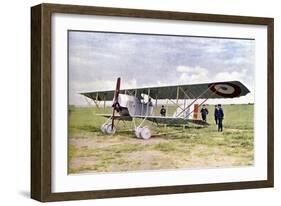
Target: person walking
[204, 112]
[220, 117]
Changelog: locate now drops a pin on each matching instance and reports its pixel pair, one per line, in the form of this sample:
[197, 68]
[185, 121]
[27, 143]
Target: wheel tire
[138, 132]
[145, 133]
[103, 128]
[110, 130]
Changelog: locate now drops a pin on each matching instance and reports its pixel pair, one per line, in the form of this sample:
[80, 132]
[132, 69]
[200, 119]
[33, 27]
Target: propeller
[115, 104]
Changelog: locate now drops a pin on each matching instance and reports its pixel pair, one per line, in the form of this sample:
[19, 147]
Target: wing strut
[193, 102]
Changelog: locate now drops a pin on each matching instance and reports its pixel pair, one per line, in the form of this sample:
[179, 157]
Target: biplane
[130, 104]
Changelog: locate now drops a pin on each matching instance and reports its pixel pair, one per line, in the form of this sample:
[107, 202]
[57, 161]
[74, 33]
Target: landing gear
[137, 132]
[143, 132]
[108, 129]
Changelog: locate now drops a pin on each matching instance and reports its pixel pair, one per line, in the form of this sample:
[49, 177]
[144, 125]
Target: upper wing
[229, 89]
[172, 120]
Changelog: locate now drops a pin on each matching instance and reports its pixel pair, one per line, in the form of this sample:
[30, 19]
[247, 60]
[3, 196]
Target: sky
[96, 59]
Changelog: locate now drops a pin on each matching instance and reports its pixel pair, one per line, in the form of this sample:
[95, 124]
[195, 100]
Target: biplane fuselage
[133, 106]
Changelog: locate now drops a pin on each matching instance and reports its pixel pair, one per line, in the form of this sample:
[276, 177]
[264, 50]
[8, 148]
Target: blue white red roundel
[225, 89]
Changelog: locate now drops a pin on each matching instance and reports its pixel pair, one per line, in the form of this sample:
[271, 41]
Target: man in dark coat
[204, 112]
[220, 117]
[163, 111]
[216, 113]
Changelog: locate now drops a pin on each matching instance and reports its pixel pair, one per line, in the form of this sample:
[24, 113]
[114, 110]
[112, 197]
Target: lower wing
[172, 120]
[159, 119]
[117, 117]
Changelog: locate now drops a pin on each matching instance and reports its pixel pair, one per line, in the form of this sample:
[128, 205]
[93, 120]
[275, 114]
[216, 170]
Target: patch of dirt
[144, 160]
[231, 130]
[79, 162]
[199, 156]
[90, 143]
[203, 156]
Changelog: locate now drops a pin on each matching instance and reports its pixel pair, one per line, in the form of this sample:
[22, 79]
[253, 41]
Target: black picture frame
[41, 118]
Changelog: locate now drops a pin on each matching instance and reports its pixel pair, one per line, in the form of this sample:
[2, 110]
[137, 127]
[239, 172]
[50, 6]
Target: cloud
[195, 74]
[99, 85]
[239, 60]
[230, 76]
[199, 74]
[96, 59]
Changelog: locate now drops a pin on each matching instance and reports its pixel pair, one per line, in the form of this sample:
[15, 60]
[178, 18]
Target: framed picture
[132, 102]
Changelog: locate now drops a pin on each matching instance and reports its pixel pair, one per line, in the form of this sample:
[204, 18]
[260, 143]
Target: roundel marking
[225, 89]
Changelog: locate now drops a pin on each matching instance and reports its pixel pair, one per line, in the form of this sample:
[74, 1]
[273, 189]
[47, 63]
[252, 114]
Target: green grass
[172, 147]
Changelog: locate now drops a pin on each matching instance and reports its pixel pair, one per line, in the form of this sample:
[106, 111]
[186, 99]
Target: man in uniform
[216, 113]
[163, 111]
[220, 117]
[204, 112]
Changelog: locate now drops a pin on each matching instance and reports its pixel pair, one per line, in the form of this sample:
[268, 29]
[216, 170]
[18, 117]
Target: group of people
[218, 115]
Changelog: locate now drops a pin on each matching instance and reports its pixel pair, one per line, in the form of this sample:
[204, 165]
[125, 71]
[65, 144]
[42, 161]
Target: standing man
[220, 117]
[216, 113]
[163, 111]
[150, 104]
[204, 112]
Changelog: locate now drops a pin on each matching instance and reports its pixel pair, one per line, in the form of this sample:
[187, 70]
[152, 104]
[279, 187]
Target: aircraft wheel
[145, 133]
[138, 132]
[103, 128]
[109, 129]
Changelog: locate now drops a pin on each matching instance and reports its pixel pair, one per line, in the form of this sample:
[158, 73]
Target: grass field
[89, 150]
